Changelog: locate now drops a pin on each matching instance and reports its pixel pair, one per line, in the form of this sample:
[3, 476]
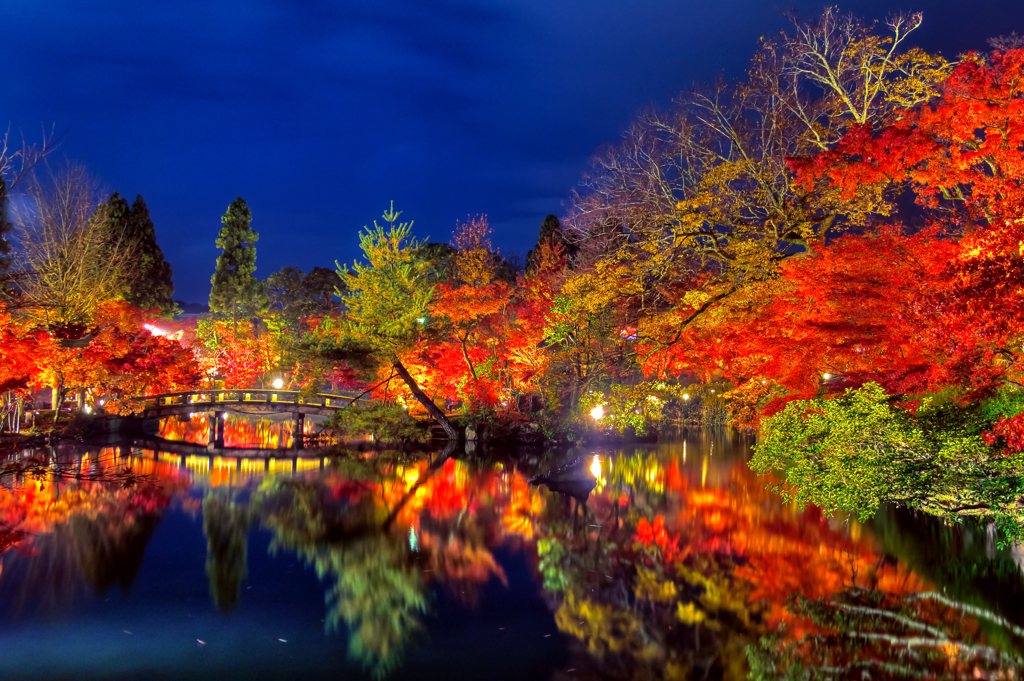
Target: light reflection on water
[679, 559]
[240, 430]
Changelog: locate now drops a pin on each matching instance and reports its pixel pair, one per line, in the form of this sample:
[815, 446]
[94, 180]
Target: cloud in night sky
[320, 113]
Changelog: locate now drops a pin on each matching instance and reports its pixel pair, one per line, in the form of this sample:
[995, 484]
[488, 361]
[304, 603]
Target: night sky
[320, 113]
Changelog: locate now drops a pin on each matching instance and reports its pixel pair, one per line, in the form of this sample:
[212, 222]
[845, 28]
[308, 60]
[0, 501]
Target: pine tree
[550, 230]
[153, 287]
[5, 228]
[235, 289]
[148, 285]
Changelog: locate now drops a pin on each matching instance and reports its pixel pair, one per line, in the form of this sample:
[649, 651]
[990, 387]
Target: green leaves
[235, 289]
[859, 451]
[387, 423]
[389, 294]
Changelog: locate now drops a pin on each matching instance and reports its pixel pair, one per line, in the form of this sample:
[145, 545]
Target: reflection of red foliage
[656, 536]
[9, 539]
[346, 489]
[35, 506]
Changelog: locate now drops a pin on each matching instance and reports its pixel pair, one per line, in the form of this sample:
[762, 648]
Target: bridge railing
[214, 397]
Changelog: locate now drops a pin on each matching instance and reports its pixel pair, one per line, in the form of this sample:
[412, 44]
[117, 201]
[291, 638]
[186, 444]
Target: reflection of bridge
[217, 402]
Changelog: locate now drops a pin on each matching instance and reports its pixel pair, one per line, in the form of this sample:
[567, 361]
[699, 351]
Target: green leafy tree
[439, 260]
[285, 295]
[235, 289]
[295, 295]
[855, 452]
[387, 423]
[387, 299]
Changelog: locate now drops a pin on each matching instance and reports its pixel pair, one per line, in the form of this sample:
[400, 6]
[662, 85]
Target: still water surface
[142, 560]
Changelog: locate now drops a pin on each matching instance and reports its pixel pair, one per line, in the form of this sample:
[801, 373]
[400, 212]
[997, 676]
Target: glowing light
[421, 320]
[278, 383]
[826, 376]
[597, 412]
[595, 467]
[88, 409]
[155, 330]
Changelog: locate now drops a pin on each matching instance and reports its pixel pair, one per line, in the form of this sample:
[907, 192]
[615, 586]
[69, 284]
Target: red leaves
[963, 150]
[1007, 432]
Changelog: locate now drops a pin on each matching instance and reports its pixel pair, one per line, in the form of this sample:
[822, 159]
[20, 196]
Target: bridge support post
[297, 430]
[216, 420]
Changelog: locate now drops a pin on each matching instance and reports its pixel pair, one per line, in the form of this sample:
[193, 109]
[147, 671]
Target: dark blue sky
[319, 113]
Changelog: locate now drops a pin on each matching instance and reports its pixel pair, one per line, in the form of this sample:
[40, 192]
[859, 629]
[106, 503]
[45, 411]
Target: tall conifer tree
[148, 285]
[235, 290]
[550, 230]
[153, 288]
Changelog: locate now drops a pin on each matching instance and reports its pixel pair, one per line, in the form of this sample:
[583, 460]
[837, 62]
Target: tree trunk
[427, 403]
[465, 355]
[58, 402]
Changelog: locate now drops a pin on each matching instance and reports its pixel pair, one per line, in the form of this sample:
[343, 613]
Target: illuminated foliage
[385, 423]
[386, 299]
[858, 451]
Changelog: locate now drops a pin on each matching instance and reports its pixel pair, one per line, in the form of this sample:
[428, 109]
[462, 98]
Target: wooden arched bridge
[215, 403]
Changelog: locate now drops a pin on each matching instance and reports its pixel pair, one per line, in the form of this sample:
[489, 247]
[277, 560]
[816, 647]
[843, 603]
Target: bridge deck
[280, 401]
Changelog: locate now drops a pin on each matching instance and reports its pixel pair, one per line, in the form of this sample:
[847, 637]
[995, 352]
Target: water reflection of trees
[382, 532]
[682, 566]
[378, 592]
[79, 522]
[226, 526]
[858, 633]
[676, 565]
[266, 431]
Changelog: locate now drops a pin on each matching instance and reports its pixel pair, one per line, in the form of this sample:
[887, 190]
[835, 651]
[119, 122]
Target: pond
[147, 559]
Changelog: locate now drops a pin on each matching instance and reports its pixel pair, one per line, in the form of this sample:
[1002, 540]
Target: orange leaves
[475, 264]
[22, 352]
[127, 360]
[467, 306]
[237, 358]
[655, 536]
[964, 148]
[964, 151]
[119, 357]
